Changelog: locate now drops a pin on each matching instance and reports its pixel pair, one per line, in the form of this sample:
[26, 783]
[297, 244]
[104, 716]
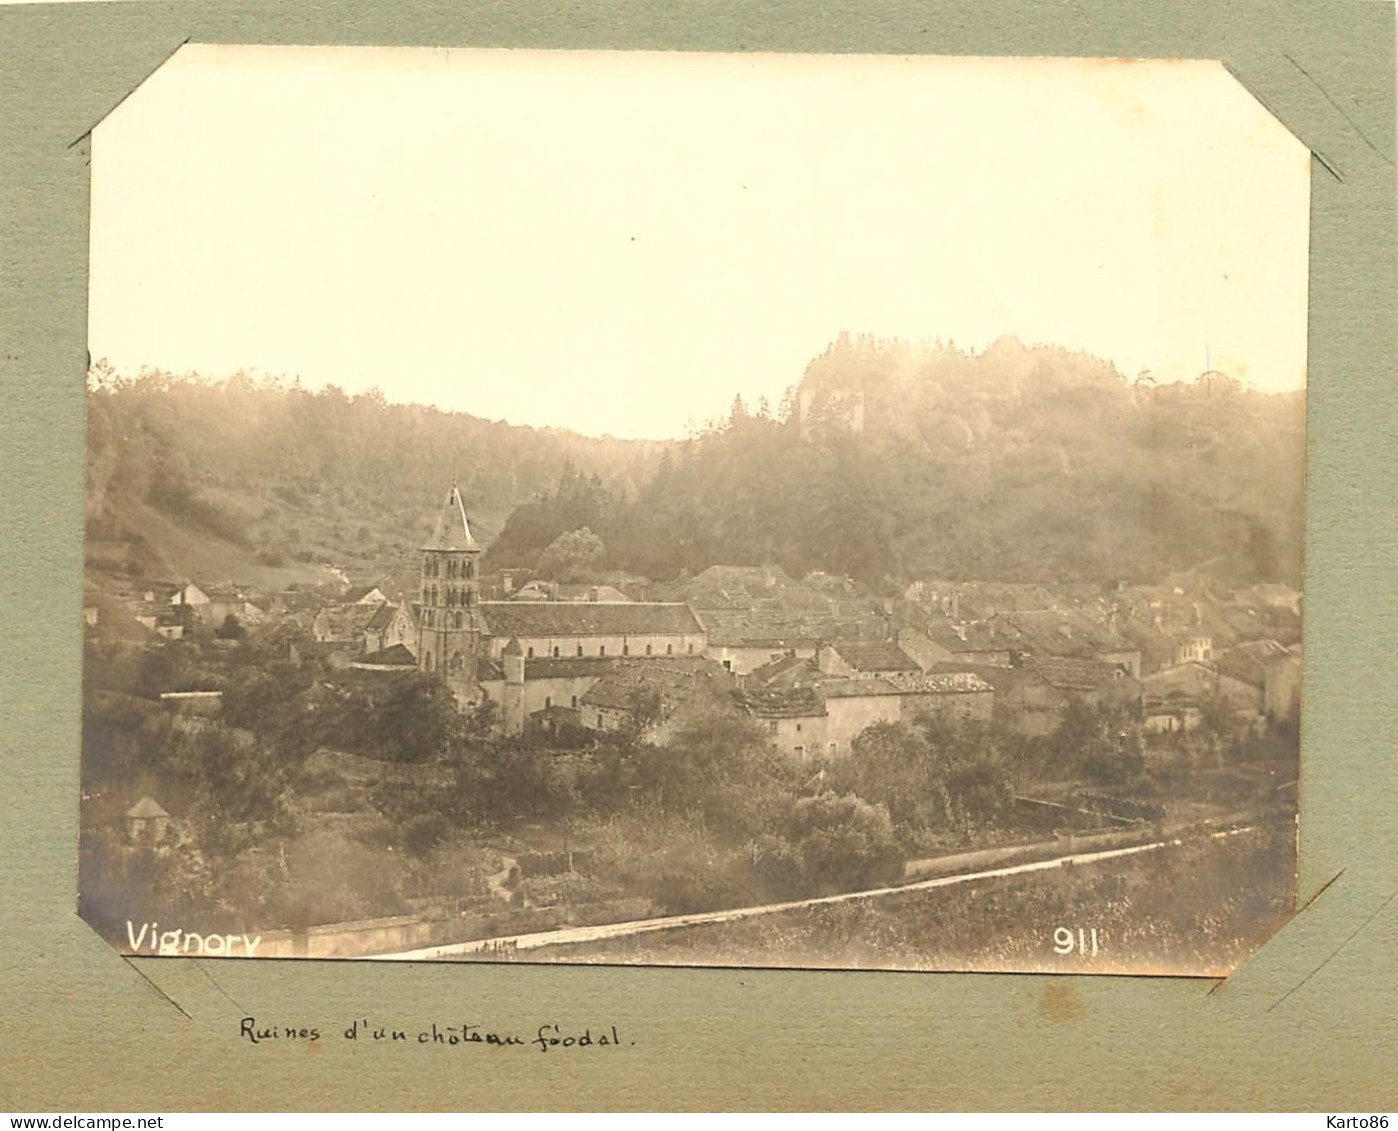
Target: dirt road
[565, 935]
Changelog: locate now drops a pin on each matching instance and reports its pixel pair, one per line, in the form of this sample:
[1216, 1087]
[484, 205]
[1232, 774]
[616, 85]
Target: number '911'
[1065, 941]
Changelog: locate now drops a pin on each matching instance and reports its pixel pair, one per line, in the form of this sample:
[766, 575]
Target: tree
[417, 721]
[231, 629]
[572, 555]
[844, 842]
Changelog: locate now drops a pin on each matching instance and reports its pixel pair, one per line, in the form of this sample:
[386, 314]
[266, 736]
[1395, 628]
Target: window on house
[601, 649]
[555, 651]
[799, 751]
[691, 646]
[579, 649]
[548, 702]
[669, 649]
[647, 649]
[798, 728]
[728, 665]
[626, 649]
[772, 727]
[530, 653]
[575, 702]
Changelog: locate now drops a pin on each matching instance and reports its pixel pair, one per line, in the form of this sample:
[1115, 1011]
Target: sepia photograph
[642, 508]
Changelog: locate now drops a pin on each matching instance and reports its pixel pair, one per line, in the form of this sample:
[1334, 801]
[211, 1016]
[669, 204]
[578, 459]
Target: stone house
[147, 822]
[784, 671]
[865, 660]
[392, 625]
[1064, 634]
[944, 642]
[1281, 692]
[668, 691]
[822, 720]
[343, 624]
[394, 658]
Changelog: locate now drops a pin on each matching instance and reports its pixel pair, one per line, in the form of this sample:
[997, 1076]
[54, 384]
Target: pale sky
[619, 242]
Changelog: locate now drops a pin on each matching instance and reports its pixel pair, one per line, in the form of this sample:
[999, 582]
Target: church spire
[453, 531]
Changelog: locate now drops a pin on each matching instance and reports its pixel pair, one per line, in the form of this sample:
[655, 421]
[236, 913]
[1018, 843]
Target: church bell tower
[449, 619]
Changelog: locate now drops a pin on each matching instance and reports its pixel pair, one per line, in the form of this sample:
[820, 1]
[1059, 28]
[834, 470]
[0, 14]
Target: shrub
[844, 842]
[423, 834]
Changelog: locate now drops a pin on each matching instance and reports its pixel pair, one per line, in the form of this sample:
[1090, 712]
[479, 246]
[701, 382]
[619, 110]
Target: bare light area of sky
[618, 243]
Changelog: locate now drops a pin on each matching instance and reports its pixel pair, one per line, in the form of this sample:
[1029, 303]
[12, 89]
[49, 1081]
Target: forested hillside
[257, 479]
[1014, 464]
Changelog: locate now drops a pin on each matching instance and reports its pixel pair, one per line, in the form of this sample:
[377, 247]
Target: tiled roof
[967, 638]
[395, 656]
[773, 669]
[1068, 674]
[1058, 633]
[857, 688]
[943, 683]
[733, 587]
[382, 618]
[759, 606]
[875, 656]
[676, 681]
[788, 704]
[614, 692]
[759, 630]
[322, 647]
[1248, 662]
[1001, 679]
[604, 593]
[587, 618]
[300, 599]
[344, 621]
[147, 807]
[940, 683]
[1262, 651]
[569, 667]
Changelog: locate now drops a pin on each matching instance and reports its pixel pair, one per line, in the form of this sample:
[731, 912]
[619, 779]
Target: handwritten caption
[546, 1038]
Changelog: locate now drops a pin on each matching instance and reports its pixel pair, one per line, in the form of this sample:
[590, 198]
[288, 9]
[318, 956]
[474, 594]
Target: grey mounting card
[1304, 1023]
[679, 522]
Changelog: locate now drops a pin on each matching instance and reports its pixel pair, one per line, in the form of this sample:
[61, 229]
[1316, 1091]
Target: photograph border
[1305, 1024]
